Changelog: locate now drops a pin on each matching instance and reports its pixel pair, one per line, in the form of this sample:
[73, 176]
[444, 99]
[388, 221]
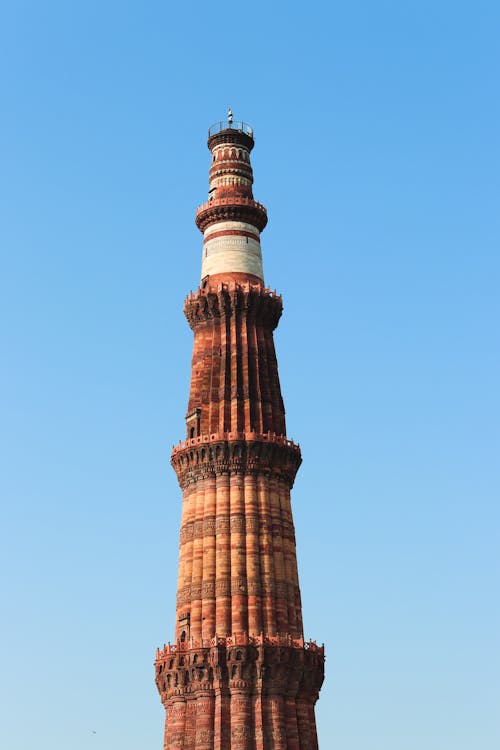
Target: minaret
[238, 675]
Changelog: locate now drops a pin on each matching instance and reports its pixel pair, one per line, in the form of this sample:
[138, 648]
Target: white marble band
[231, 254]
[235, 226]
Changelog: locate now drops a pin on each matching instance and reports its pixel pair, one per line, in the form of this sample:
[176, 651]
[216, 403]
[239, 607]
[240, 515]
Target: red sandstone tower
[239, 675]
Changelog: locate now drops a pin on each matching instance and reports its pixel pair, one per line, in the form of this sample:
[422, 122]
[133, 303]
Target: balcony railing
[235, 200]
[239, 639]
[241, 127]
[217, 437]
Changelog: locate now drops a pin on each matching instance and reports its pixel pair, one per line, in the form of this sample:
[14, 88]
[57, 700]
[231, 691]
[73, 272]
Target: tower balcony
[227, 131]
[241, 127]
[236, 208]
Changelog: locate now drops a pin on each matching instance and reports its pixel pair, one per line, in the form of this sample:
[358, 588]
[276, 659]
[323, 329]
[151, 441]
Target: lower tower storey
[239, 675]
[240, 693]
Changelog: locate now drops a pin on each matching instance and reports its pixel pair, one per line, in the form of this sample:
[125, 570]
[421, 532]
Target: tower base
[240, 693]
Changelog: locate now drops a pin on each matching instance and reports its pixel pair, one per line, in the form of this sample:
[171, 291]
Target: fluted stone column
[238, 675]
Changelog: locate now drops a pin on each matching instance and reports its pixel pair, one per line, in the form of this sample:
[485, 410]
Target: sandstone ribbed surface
[238, 675]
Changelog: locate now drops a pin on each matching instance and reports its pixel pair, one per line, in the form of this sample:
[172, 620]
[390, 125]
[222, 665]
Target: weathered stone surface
[239, 675]
[282, 681]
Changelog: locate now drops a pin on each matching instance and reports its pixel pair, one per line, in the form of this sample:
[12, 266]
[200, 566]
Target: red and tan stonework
[238, 675]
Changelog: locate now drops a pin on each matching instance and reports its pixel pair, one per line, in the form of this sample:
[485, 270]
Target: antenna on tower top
[230, 115]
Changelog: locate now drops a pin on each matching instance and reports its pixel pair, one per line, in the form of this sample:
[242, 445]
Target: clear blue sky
[377, 156]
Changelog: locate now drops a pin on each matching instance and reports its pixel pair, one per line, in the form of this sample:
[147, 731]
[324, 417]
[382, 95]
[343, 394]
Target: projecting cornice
[236, 453]
[224, 300]
[235, 208]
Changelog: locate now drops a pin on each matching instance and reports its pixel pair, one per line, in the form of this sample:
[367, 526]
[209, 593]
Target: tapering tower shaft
[239, 675]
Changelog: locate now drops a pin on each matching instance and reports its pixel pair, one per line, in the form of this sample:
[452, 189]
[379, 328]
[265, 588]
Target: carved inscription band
[234, 586]
[212, 526]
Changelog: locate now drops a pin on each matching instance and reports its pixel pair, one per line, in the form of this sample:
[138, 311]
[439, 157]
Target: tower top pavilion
[231, 220]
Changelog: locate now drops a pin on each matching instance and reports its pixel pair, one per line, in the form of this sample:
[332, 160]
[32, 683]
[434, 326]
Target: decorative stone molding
[274, 456]
[263, 665]
[226, 299]
[231, 209]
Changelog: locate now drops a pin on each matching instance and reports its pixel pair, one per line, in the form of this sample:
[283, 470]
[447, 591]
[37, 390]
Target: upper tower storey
[231, 220]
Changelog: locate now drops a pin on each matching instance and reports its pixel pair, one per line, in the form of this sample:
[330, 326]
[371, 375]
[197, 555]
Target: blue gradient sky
[377, 156]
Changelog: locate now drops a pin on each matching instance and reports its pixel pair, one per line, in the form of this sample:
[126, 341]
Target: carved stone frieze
[237, 523]
[252, 523]
[278, 671]
[183, 595]
[277, 459]
[198, 528]
[195, 591]
[222, 525]
[223, 587]
[208, 590]
[209, 526]
[245, 210]
[258, 302]
[238, 585]
[241, 523]
[254, 586]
